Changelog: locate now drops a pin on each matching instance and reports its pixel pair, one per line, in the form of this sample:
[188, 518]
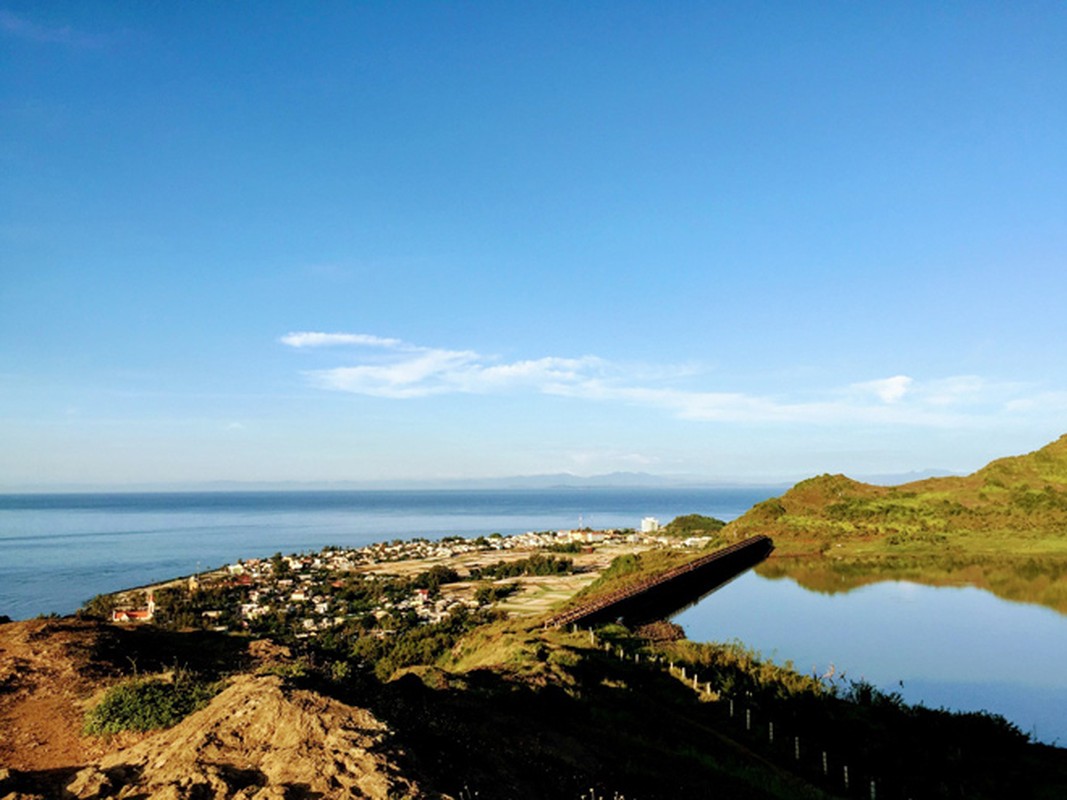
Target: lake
[960, 648]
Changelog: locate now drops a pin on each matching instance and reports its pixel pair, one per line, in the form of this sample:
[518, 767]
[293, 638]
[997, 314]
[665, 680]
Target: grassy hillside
[1002, 528]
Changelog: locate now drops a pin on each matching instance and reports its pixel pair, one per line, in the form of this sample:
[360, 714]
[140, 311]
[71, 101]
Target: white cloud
[426, 372]
[888, 390]
[407, 371]
[1043, 402]
[423, 373]
[317, 339]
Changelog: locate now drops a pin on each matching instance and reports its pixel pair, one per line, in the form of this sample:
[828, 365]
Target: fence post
[796, 748]
[731, 708]
[748, 719]
[846, 777]
[770, 732]
[825, 766]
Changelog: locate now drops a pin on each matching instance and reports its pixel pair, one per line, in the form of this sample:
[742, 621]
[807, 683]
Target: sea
[59, 550]
[945, 647]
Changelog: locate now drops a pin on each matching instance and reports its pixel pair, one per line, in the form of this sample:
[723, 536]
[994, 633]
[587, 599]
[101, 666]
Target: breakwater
[662, 595]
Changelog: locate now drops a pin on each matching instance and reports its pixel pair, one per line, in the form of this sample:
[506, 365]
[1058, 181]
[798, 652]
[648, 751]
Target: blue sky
[340, 241]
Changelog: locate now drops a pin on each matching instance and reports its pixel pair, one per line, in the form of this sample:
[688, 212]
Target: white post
[770, 732]
[846, 777]
[748, 719]
[796, 748]
[825, 766]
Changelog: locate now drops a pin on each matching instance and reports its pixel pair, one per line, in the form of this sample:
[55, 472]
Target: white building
[649, 525]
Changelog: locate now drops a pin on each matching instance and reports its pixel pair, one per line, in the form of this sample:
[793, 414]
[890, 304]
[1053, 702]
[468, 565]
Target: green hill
[1003, 528]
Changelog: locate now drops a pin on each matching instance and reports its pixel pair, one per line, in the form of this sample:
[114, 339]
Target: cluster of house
[135, 614]
[298, 585]
[428, 609]
[299, 591]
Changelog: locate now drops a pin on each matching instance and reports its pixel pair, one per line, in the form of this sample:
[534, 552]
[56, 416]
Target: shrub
[144, 704]
[536, 564]
[489, 593]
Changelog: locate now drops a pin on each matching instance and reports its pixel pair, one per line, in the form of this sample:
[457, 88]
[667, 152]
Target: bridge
[662, 595]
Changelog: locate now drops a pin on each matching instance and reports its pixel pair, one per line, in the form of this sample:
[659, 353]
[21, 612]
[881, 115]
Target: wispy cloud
[888, 390]
[28, 30]
[1043, 403]
[316, 339]
[393, 368]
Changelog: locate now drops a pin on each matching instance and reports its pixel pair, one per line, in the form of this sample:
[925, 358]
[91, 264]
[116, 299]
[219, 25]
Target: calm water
[959, 648]
[57, 551]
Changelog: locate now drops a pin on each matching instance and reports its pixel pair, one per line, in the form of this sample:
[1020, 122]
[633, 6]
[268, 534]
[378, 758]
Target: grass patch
[149, 703]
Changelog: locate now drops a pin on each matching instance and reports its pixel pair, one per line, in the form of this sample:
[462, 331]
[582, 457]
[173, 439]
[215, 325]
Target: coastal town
[388, 586]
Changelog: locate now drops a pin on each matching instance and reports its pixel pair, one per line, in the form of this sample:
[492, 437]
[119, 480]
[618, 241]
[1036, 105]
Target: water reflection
[1022, 579]
[960, 648]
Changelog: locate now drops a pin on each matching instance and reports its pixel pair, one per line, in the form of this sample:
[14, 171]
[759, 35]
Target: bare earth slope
[43, 684]
[255, 739]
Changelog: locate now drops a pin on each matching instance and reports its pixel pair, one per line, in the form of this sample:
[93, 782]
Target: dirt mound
[255, 741]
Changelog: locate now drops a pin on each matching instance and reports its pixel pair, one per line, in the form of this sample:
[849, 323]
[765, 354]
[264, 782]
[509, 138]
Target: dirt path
[42, 692]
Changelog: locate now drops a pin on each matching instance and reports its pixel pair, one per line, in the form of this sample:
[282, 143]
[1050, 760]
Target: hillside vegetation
[511, 710]
[1003, 528]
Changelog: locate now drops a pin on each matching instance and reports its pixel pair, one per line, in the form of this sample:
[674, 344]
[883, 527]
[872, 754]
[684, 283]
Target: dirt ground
[255, 740]
[45, 681]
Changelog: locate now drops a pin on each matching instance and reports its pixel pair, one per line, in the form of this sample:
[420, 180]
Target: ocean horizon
[58, 550]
